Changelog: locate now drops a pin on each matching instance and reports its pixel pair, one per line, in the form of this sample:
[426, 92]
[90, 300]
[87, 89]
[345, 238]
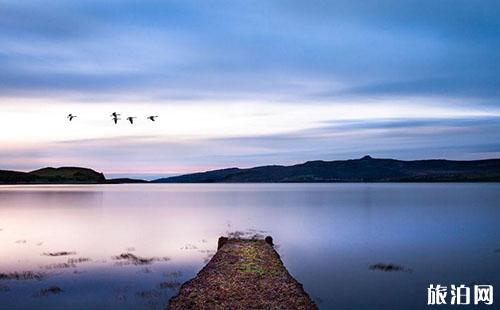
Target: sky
[246, 83]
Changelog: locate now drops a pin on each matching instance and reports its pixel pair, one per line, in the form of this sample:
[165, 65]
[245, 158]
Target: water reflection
[131, 246]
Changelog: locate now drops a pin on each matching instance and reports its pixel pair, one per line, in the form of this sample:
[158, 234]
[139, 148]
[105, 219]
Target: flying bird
[71, 117]
[115, 119]
[131, 119]
[152, 117]
[115, 115]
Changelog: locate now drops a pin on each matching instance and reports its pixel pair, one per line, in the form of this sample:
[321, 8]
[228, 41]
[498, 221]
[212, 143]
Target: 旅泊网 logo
[459, 295]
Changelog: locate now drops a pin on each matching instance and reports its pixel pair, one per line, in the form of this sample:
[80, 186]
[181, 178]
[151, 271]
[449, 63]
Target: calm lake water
[327, 234]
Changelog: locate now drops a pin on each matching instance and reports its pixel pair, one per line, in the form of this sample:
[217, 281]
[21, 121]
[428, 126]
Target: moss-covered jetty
[243, 274]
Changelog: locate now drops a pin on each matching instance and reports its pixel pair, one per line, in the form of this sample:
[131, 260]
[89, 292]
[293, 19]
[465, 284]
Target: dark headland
[366, 169]
[63, 175]
[243, 274]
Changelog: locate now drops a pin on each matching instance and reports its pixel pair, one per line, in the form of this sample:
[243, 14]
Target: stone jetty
[243, 274]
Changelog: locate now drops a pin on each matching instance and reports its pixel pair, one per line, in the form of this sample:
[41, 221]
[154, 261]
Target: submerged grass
[389, 267]
[23, 275]
[129, 258]
[53, 290]
[62, 253]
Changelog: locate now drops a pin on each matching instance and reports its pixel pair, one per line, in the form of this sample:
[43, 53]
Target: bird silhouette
[115, 119]
[131, 119]
[71, 117]
[115, 115]
[152, 117]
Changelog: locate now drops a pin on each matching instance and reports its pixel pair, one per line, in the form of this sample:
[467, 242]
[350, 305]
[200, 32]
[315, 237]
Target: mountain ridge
[365, 169]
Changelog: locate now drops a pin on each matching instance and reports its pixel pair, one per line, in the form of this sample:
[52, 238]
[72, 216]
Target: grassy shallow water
[132, 246]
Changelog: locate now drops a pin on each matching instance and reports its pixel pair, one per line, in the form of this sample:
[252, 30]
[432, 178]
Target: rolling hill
[366, 169]
[63, 175]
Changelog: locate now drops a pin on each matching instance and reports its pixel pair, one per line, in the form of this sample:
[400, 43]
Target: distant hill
[15, 177]
[366, 169]
[68, 175]
[124, 180]
[63, 175]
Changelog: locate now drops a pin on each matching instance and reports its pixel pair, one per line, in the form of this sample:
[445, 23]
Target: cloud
[286, 50]
[405, 79]
[460, 138]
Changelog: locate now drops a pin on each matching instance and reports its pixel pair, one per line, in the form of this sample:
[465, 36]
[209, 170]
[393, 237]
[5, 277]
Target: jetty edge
[243, 274]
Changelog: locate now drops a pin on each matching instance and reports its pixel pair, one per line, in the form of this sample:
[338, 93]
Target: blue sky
[244, 83]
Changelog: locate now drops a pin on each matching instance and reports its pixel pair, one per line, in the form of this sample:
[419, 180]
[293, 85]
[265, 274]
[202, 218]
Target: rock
[221, 242]
[269, 240]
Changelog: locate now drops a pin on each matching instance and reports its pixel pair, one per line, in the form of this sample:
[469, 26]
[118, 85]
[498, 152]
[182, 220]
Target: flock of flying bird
[115, 117]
